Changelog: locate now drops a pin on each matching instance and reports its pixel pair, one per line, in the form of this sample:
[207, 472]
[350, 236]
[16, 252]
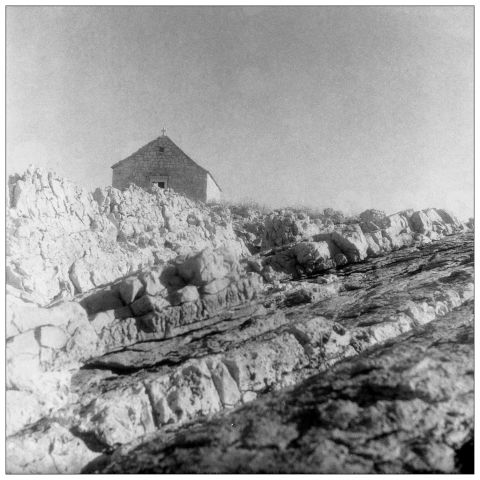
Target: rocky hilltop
[147, 333]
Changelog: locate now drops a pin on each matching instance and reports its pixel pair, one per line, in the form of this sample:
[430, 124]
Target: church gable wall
[181, 173]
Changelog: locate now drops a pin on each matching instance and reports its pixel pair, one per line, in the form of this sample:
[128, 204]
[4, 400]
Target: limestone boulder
[129, 289]
[281, 266]
[449, 218]
[152, 281]
[351, 241]
[399, 234]
[284, 227]
[185, 294]
[148, 303]
[335, 216]
[314, 256]
[435, 223]
[118, 416]
[185, 394]
[373, 220]
[207, 265]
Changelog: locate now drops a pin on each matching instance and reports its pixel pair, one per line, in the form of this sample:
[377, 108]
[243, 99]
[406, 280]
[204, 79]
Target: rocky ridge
[131, 314]
[62, 240]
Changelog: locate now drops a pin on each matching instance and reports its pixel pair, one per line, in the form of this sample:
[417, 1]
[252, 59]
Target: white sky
[349, 107]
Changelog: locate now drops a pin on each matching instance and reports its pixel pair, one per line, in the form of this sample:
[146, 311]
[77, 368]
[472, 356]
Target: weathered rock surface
[405, 407]
[46, 345]
[131, 315]
[249, 225]
[300, 251]
[273, 341]
[285, 226]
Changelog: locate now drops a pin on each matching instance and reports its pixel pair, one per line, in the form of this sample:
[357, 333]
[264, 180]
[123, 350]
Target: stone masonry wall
[184, 175]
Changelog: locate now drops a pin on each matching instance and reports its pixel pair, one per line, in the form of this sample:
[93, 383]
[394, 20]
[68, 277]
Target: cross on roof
[164, 131]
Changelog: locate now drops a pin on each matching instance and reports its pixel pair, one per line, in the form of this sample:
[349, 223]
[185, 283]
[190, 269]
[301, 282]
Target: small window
[161, 181]
[161, 149]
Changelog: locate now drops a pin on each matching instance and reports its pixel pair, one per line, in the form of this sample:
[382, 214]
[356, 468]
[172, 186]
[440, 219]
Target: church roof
[164, 141]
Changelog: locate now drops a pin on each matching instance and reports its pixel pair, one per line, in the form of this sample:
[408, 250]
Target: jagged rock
[336, 216]
[185, 294]
[373, 220]
[61, 240]
[348, 243]
[129, 289]
[119, 416]
[249, 224]
[225, 385]
[208, 265]
[352, 242]
[147, 304]
[102, 320]
[449, 218]
[185, 394]
[375, 243]
[151, 280]
[314, 257]
[399, 233]
[434, 223]
[284, 227]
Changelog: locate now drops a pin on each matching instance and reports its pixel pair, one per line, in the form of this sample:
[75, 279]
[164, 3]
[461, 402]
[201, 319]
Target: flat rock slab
[405, 406]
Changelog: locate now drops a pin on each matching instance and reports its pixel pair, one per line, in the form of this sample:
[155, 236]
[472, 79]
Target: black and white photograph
[239, 239]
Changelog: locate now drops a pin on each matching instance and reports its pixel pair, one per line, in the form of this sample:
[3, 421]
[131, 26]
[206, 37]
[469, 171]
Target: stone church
[162, 163]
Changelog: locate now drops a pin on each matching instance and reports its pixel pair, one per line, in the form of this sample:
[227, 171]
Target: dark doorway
[159, 184]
